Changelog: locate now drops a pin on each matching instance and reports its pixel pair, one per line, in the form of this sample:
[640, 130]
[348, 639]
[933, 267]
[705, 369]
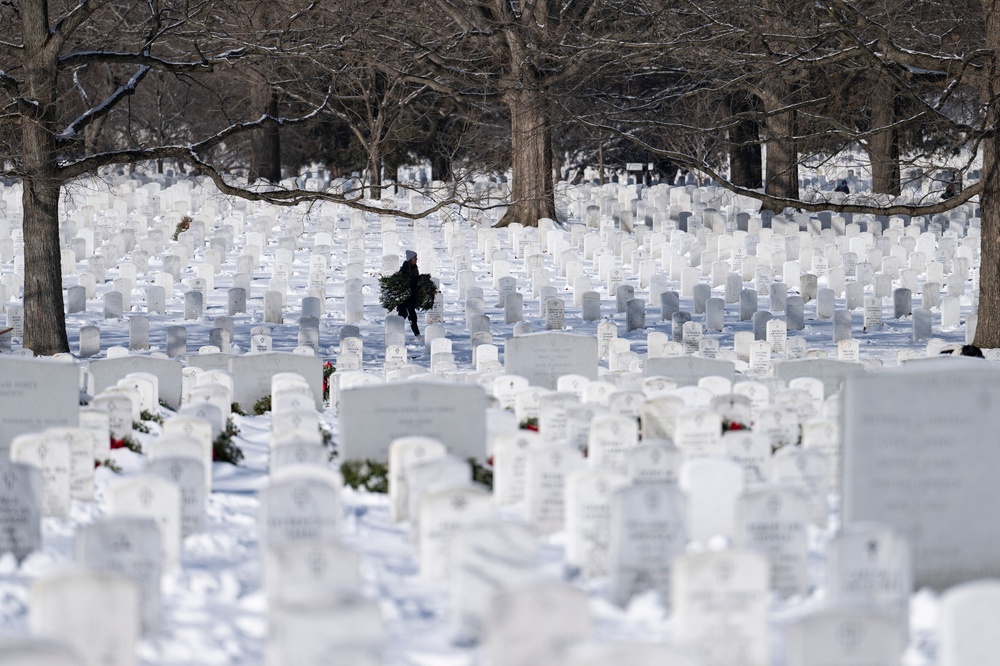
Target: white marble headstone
[94, 612]
[720, 606]
[648, 529]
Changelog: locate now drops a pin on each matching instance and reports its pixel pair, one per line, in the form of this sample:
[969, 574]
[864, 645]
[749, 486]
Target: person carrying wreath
[408, 308]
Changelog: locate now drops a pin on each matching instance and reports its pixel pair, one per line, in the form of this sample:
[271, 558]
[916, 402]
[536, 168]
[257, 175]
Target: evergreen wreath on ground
[328, 442]
[373, 476]
[396, 289]
[127, 442]
[109, 464]
[729, 425]
[182, 226]
[262, 406]
[328, 370]
[224, 448]
[155, 417]
[366, 475]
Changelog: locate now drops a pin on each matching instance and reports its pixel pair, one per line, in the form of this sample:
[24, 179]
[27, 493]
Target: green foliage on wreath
[147, 415]
[224, 449]
[236, 409]
[109, 464]
[729, 425]
[327, 438]
[396, 289]
[139, 426]
[131, 443]
[182, 226]
[779, 444]
[374, 476]
[481, 474]
[262, 406]
[426, 291]
[366, 474]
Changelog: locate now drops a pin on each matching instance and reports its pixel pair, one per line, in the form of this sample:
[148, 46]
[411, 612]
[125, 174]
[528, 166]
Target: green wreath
[396, 289]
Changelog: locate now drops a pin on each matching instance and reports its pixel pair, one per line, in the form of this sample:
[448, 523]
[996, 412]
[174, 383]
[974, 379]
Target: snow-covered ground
[215, 608]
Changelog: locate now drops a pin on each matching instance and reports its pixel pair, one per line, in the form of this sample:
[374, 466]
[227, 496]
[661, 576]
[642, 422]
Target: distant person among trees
[408, 308]
[842, 187]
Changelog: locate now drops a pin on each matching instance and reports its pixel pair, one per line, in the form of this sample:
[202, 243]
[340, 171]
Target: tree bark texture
[375, 170]
[440, 141]
[532, 195]
[44, 314]
[988, 323]
[44, 319]
[782, 168]
[883, 147]
[745, 154]
[265, 159]
[441, 168]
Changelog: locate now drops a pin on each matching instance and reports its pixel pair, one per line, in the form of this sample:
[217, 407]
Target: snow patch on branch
[84, 119]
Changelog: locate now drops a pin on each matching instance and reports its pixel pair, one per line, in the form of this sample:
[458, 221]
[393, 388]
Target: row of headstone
[546, 242]
[869, 566]
[290, 626]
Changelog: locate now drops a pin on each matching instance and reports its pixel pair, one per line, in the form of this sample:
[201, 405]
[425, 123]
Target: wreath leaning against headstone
[396, 289]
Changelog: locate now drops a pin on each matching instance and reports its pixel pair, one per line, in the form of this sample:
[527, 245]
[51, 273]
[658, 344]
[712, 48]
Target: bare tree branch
[104, 108]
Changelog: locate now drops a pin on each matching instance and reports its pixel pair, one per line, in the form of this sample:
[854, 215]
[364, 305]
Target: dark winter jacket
[413, 272]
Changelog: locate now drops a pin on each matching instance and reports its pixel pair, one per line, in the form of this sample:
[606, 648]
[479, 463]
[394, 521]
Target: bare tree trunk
[375, 170]
[44, 318]
[272, 144]
[988, 325]
[745, 155]
[600, 161]
[441, 168]
[440, 141]
[390, 165]
[91, 134]
[782, 156]
[265, 159]
[988, 321]
[883, 149]
[44, 313]
[532, 195]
